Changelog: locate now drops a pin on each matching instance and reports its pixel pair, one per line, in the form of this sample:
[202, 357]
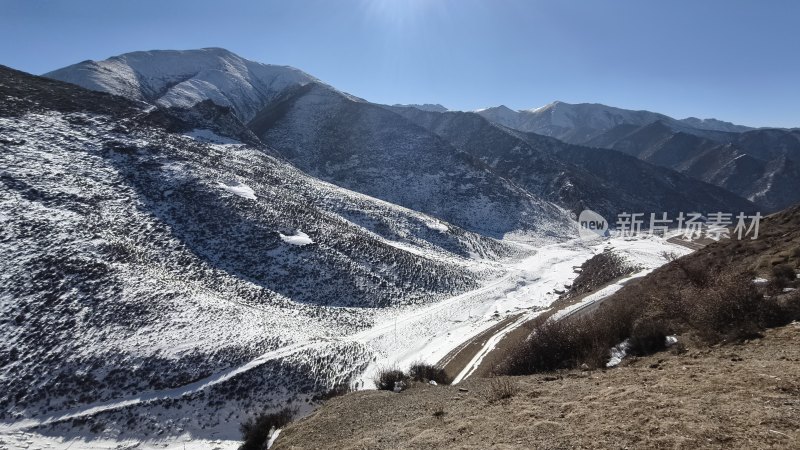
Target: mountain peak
[714, 125]
[183, 78]
[432, 107]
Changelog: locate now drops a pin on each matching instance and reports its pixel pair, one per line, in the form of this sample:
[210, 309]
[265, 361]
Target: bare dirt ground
[455, 361]
[731, 396]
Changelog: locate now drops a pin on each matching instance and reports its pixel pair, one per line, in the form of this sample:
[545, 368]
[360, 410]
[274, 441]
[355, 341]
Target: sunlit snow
[298, 239]
[240, 189]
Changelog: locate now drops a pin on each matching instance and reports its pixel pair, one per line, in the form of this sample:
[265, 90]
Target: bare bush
[783, 275]
[391, 379]
[256, 431]
[426, 372]
[336, 391]
[648, 336]
[501, 388]
[729, 306]
[669, 256]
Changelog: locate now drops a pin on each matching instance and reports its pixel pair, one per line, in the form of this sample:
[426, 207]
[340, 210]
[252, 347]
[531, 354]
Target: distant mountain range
[758, 164]
[580, 123]
[397, 154]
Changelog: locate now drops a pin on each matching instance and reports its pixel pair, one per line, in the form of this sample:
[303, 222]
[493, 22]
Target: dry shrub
[571, 342]
[695, 271]
[729, 306]
[669, 256]
[783, 275]
[336, 391]
[389, 378]
[648, 336]
[255, 431]
[422, 372]
[501, 389]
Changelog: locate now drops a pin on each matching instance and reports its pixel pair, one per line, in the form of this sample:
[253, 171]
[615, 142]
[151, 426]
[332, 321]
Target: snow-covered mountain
[762, 165]
[221, 236]
[461, 167]
[758, 164]
[149, 266]
[369, 149]
[182, 78]
[573, 176]
[433, 107]
[329, 134]
[579, 123]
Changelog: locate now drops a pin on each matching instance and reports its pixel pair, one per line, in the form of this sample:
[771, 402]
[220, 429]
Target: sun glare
[403, 13]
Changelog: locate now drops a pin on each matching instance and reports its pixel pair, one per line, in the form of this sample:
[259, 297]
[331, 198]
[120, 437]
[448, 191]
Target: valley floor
[731, 396]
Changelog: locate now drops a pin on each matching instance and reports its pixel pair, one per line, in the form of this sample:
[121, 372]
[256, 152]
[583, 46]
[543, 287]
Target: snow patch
[437, 226]
[299, 239]
[240, 189]
[618, 353]
[272, 438]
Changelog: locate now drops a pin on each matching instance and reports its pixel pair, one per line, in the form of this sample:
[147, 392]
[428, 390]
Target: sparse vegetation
[257, 430]
[709, 295]
[391, 379]
[571, 343]
[599, 270]
[501, 388]
[336, 391]
[669, 256]
[426, 372]
[783, 275]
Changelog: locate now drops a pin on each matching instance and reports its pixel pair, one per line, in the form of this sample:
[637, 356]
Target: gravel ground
[731, 396]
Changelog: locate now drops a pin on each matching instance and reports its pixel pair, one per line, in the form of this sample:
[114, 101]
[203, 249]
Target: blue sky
[734, 60]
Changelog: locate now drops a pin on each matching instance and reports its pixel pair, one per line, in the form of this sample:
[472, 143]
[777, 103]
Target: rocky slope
[760, 165]
[149, 265]
[574, 176]
[461, 167]
[175, 78]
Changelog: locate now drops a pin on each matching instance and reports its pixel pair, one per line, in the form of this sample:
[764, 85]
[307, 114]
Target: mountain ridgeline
[487, 172]
[760, 165]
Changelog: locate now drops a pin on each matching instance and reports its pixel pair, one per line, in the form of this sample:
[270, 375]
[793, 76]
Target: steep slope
[331, 135]
[147, 265]
[730, 380]
[371, 149]
[175, 78]
[573, 176]
[760, 165]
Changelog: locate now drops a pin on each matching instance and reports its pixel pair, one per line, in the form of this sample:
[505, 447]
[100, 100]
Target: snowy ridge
[182, 78]
[579, 123]
[144, 270]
